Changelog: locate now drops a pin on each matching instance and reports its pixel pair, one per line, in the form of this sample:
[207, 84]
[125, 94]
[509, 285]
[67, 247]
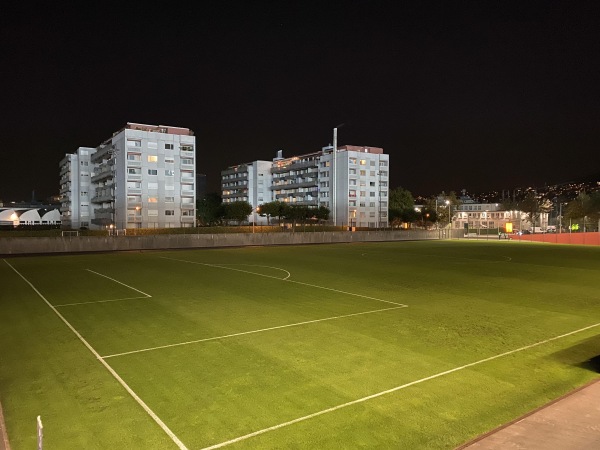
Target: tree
[238, 211]
[584, 208]
[534, 207]
[401, 207]
[209, 210]
[273, 209]
[322, 213]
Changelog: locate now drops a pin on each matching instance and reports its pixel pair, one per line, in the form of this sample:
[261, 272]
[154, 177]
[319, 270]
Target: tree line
[211, 210]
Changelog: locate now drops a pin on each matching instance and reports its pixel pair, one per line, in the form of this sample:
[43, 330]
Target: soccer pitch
[380, 345]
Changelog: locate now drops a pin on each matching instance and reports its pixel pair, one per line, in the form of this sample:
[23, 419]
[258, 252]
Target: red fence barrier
[561, 238]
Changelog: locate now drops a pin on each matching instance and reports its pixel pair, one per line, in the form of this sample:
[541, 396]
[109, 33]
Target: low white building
[492, 215]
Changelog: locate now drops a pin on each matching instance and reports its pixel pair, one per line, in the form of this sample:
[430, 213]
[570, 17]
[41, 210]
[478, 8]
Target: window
[352, 160]
[363, 173]
[133, 171]
[169, 212]
[372, 163]
[134, 185]
[152, 212]
[372, 183]
[168, 147]
[352, 171]
[187, 161]
[352, 182]
[362, 193]
[152, 185]
[187, 200]
[152, 144]
[152, 158]
[352, 203]
[152, 172]
[352, 193]
[133, 143]
[372, 173]
[186, 148]
[362, 204]
[363, 162]
[133, 156]
[169, 173]
[372, 204]
[169, 160]
[152, 200]
[169, 199]
[383, 163]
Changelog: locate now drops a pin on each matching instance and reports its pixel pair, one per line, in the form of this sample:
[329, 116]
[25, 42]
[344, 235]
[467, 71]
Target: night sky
[479, 95]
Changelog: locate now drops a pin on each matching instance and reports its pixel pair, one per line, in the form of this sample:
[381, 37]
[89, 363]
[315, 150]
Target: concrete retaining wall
[20, 246]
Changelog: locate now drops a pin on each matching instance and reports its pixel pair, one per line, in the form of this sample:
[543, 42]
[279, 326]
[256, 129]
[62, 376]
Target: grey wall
[19, 246]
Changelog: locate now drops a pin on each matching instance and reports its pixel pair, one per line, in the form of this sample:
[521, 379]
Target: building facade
[492, 215]
[352, 182]
[142, 177]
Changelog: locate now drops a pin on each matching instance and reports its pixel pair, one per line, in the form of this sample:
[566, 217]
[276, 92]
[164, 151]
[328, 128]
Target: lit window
[152, 158]
[152, 200]
[363, 162]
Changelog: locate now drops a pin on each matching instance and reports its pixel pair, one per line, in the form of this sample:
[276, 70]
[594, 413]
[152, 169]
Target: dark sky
[479, 95]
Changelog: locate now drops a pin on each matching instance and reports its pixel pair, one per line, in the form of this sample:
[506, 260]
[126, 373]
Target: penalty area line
[287, 280]
[122, 382]
[395, 389]
[117, 281]
[98, 301]
[214, 338]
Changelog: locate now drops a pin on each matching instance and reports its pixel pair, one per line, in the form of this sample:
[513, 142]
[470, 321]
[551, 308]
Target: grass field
[385, 345]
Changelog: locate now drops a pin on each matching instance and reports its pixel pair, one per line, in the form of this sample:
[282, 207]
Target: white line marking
[389, 391]
[256, 265]
[117, 281]
[146, 408]
[250, 332]
[287, 280]
[97, 301]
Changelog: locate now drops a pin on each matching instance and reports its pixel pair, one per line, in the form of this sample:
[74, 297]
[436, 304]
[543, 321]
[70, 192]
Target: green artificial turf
[257, 352]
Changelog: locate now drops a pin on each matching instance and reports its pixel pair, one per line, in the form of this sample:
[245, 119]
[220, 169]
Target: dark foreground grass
[467, 302]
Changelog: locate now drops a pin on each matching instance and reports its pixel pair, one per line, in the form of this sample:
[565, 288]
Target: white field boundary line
[146, 408]
[109, 300]
[214, 338]
[397, 388]
[287, 280]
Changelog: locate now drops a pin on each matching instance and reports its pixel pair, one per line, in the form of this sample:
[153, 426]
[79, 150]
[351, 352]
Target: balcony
[103, 175]
[104, 211]
[102, 198]
[104, 151]
[295, 166]
[187, 154]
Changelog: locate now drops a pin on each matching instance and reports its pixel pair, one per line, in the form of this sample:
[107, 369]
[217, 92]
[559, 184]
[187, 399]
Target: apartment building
[75, 184]
[352, 182]
[142, 177]
[248, 182]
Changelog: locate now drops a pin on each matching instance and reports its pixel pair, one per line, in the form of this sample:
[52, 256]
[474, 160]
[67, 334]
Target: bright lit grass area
[383, 345]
